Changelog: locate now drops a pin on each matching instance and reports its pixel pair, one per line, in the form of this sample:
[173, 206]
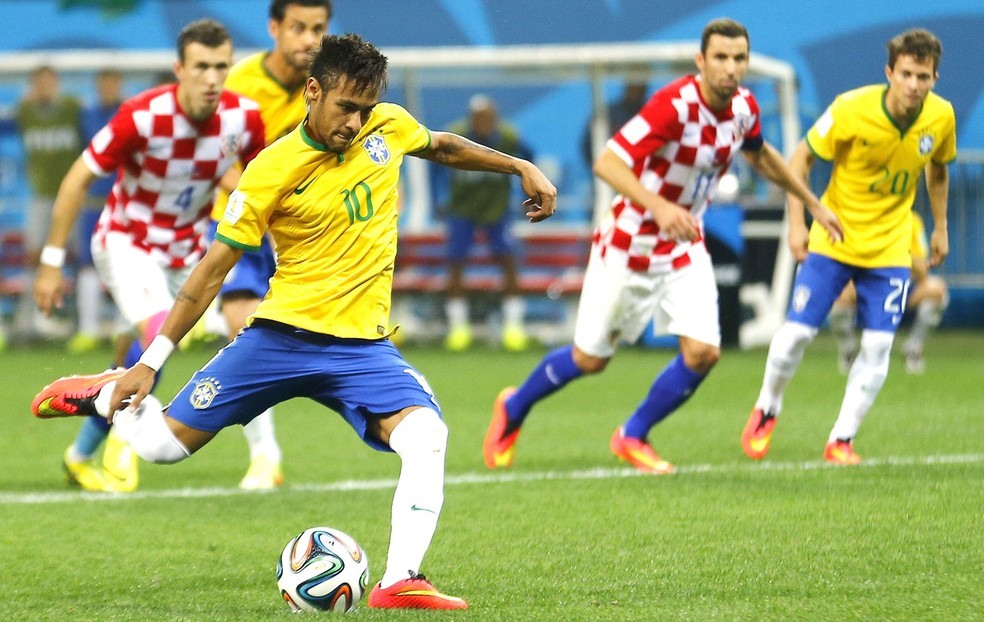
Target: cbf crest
[375, 146]
[204, 392]
[801, 296]
[925, 144]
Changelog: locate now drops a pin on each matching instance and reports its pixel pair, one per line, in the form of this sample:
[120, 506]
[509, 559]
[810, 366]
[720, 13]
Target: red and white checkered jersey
[679, 148]
[168, 167]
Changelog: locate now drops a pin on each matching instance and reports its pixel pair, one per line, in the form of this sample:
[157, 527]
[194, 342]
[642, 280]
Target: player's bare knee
[701, 358]
[588, 363]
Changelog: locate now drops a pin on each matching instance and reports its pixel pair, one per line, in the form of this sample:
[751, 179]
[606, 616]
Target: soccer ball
[322, 569]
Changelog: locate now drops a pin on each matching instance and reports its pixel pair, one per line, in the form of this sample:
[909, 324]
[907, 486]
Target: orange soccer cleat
[72, 396]
[499, 448]
[757, 435]
[639, 454]
[841, 453]
[413, 593]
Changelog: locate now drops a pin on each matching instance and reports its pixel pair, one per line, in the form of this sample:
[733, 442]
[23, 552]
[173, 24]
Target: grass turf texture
[567, 534]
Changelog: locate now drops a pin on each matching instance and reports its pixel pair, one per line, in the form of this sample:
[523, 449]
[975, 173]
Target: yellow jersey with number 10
[876, 169]
[333, 221]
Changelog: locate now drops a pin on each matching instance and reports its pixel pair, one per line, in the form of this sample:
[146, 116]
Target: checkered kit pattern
[169, 167]
[679, 148]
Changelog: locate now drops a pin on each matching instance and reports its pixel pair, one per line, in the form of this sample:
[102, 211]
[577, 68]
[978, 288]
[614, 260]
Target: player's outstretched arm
[459, 152]
[190, 304]
[49, 286]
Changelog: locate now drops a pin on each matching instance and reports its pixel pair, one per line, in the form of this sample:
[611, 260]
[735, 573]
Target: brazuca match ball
[322, 569]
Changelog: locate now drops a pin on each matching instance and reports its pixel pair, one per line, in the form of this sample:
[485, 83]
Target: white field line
[496, 477]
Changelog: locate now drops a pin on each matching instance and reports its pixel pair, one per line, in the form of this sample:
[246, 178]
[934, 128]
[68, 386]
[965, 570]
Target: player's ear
[273, 28]
[312, 89]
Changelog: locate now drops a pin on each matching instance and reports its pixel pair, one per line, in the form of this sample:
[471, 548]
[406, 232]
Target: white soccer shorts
[139, 284]
[617, 304]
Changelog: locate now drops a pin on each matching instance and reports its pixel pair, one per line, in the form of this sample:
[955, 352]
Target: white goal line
[499, 477]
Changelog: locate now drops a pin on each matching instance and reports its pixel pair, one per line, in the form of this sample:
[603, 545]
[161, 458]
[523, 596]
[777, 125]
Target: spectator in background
[479, 201]
[88, 289]
[634, 95]
[49, 124]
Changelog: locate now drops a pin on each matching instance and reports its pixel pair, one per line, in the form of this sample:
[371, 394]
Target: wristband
[52, 256]
[157, 352]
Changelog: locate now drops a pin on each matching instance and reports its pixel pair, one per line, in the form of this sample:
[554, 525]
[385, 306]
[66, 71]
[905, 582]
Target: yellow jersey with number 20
[280, 108]
[876, 170]
[333, 221]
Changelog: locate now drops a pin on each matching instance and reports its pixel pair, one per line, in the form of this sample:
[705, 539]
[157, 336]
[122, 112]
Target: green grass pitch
[567, 534]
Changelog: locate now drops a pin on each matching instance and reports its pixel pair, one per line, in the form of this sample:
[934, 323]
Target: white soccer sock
[841, 321]
[260, 436]
[513, 310]
[785, 354]
[456, 310]
[420, 440]
[88, 295]
[929, 313]
[863, 382]
[146, 432]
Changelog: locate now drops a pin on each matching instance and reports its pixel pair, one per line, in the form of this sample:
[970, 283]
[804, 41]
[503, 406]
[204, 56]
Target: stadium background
[833, 45]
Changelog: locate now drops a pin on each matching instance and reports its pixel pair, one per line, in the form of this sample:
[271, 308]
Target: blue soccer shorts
[269, 363]
[461, 236]
[881, 293]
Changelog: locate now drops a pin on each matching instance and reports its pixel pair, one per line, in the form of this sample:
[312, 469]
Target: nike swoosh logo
[300, 189]
[415, 508]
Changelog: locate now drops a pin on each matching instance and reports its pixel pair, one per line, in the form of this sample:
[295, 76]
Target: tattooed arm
[196, 294]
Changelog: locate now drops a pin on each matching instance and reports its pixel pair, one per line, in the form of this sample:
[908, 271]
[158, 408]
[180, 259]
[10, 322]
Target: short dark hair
[278, 8]
[349, 55]
[918, 43]
[208, 32]
[726, 27]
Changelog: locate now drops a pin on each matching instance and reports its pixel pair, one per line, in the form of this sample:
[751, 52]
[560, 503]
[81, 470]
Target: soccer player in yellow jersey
[327, 192]
[928, 298]
[274, 79]
[880, 139]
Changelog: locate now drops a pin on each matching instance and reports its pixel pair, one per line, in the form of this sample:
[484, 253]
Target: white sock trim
[147, 433]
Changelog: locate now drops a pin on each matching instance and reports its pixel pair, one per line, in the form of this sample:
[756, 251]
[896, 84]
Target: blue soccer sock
[92, 433]
[555, 370]
[133, 354]
[675, 384]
